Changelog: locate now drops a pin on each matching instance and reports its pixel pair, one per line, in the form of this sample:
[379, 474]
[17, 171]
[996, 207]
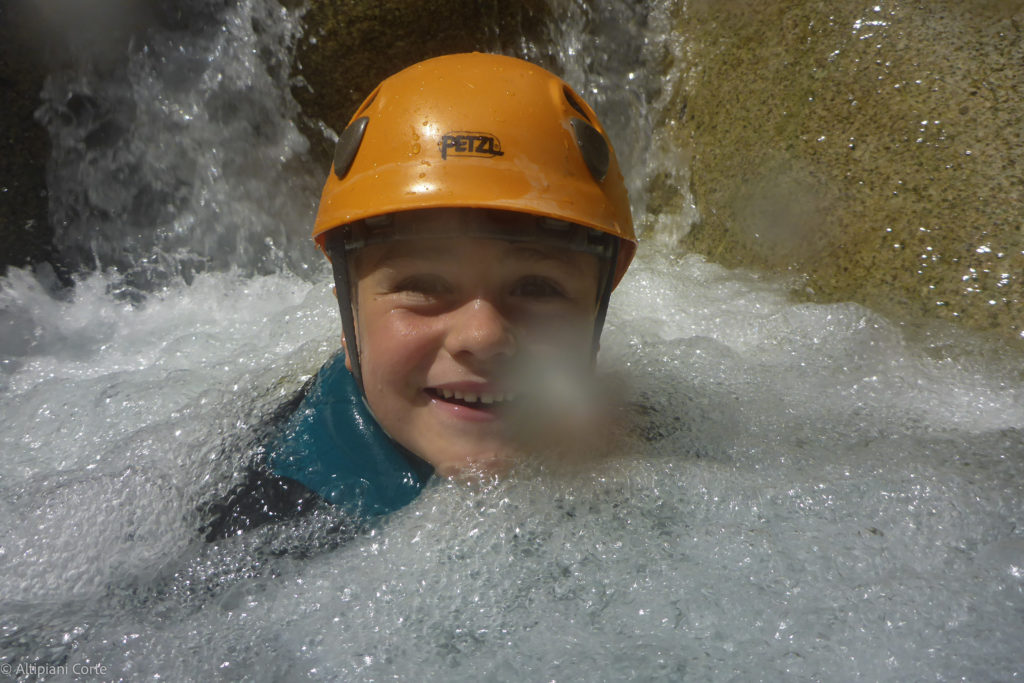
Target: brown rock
[877, 149]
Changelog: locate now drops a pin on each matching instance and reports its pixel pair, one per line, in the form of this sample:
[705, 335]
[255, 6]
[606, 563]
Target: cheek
[560, 349]
[570, 333]
[396, 350]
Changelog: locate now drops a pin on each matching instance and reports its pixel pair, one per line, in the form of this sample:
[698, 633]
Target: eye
[423, 284]
[537, 287]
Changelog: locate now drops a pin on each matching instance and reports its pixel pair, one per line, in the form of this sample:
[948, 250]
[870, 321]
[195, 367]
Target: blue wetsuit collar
[334, 446]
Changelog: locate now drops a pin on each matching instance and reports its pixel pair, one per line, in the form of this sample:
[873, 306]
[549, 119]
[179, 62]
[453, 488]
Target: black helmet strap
[335, 246]
[607, 284]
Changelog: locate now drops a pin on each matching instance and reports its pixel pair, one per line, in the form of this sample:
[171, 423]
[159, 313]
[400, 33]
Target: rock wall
[876, 147]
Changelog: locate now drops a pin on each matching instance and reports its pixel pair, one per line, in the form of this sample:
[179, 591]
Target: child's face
[454, 332]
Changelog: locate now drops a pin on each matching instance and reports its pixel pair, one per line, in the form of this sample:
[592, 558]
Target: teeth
[470, 397]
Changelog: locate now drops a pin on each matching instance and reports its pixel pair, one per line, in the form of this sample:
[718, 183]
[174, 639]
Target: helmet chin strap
[343, 288]
[607, 284]
[335, 244]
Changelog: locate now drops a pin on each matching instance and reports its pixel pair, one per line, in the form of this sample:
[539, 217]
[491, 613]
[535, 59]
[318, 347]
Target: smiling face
[459, 335]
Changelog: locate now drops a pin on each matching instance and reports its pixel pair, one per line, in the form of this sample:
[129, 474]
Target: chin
[486, 462]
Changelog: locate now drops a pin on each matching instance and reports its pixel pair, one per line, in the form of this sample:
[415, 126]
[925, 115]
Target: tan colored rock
[877, 147]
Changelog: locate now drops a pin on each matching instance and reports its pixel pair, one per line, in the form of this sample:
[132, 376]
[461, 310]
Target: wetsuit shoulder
[333, 445]
[262, 497]
[322, 444]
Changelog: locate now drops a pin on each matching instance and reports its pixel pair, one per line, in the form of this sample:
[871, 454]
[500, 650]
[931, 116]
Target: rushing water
[804, 492]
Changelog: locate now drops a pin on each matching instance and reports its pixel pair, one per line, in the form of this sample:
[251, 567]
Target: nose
[479, 329]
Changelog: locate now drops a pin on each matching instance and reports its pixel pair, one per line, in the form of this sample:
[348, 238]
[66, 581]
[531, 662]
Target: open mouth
[477, 401]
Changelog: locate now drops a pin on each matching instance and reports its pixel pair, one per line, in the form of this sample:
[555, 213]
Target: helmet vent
[348, 145]
[593, 147]
[575, 103]
[367, 102]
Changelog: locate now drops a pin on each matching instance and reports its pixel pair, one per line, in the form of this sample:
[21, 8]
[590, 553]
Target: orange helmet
[478, 131]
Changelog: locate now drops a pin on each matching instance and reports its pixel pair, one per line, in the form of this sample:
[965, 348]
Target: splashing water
[185, 158]
[804, 492]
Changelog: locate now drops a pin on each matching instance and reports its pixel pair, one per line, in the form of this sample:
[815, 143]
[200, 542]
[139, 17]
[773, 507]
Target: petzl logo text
[462, 143]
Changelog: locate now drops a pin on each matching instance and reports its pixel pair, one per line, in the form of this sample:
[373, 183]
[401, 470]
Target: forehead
[461, 220]
[455, 235]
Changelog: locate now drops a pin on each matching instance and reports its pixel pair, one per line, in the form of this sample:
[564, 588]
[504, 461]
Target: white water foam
[802, 493]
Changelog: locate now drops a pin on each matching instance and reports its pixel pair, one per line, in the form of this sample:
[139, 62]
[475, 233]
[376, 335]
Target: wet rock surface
[877, 148]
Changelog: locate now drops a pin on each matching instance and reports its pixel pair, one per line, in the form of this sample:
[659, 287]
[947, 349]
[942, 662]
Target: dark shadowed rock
[351, 45]
[25, 235]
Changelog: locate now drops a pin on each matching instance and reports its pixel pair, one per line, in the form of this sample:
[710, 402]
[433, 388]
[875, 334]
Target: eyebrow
[532, 253]
[518, 251]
